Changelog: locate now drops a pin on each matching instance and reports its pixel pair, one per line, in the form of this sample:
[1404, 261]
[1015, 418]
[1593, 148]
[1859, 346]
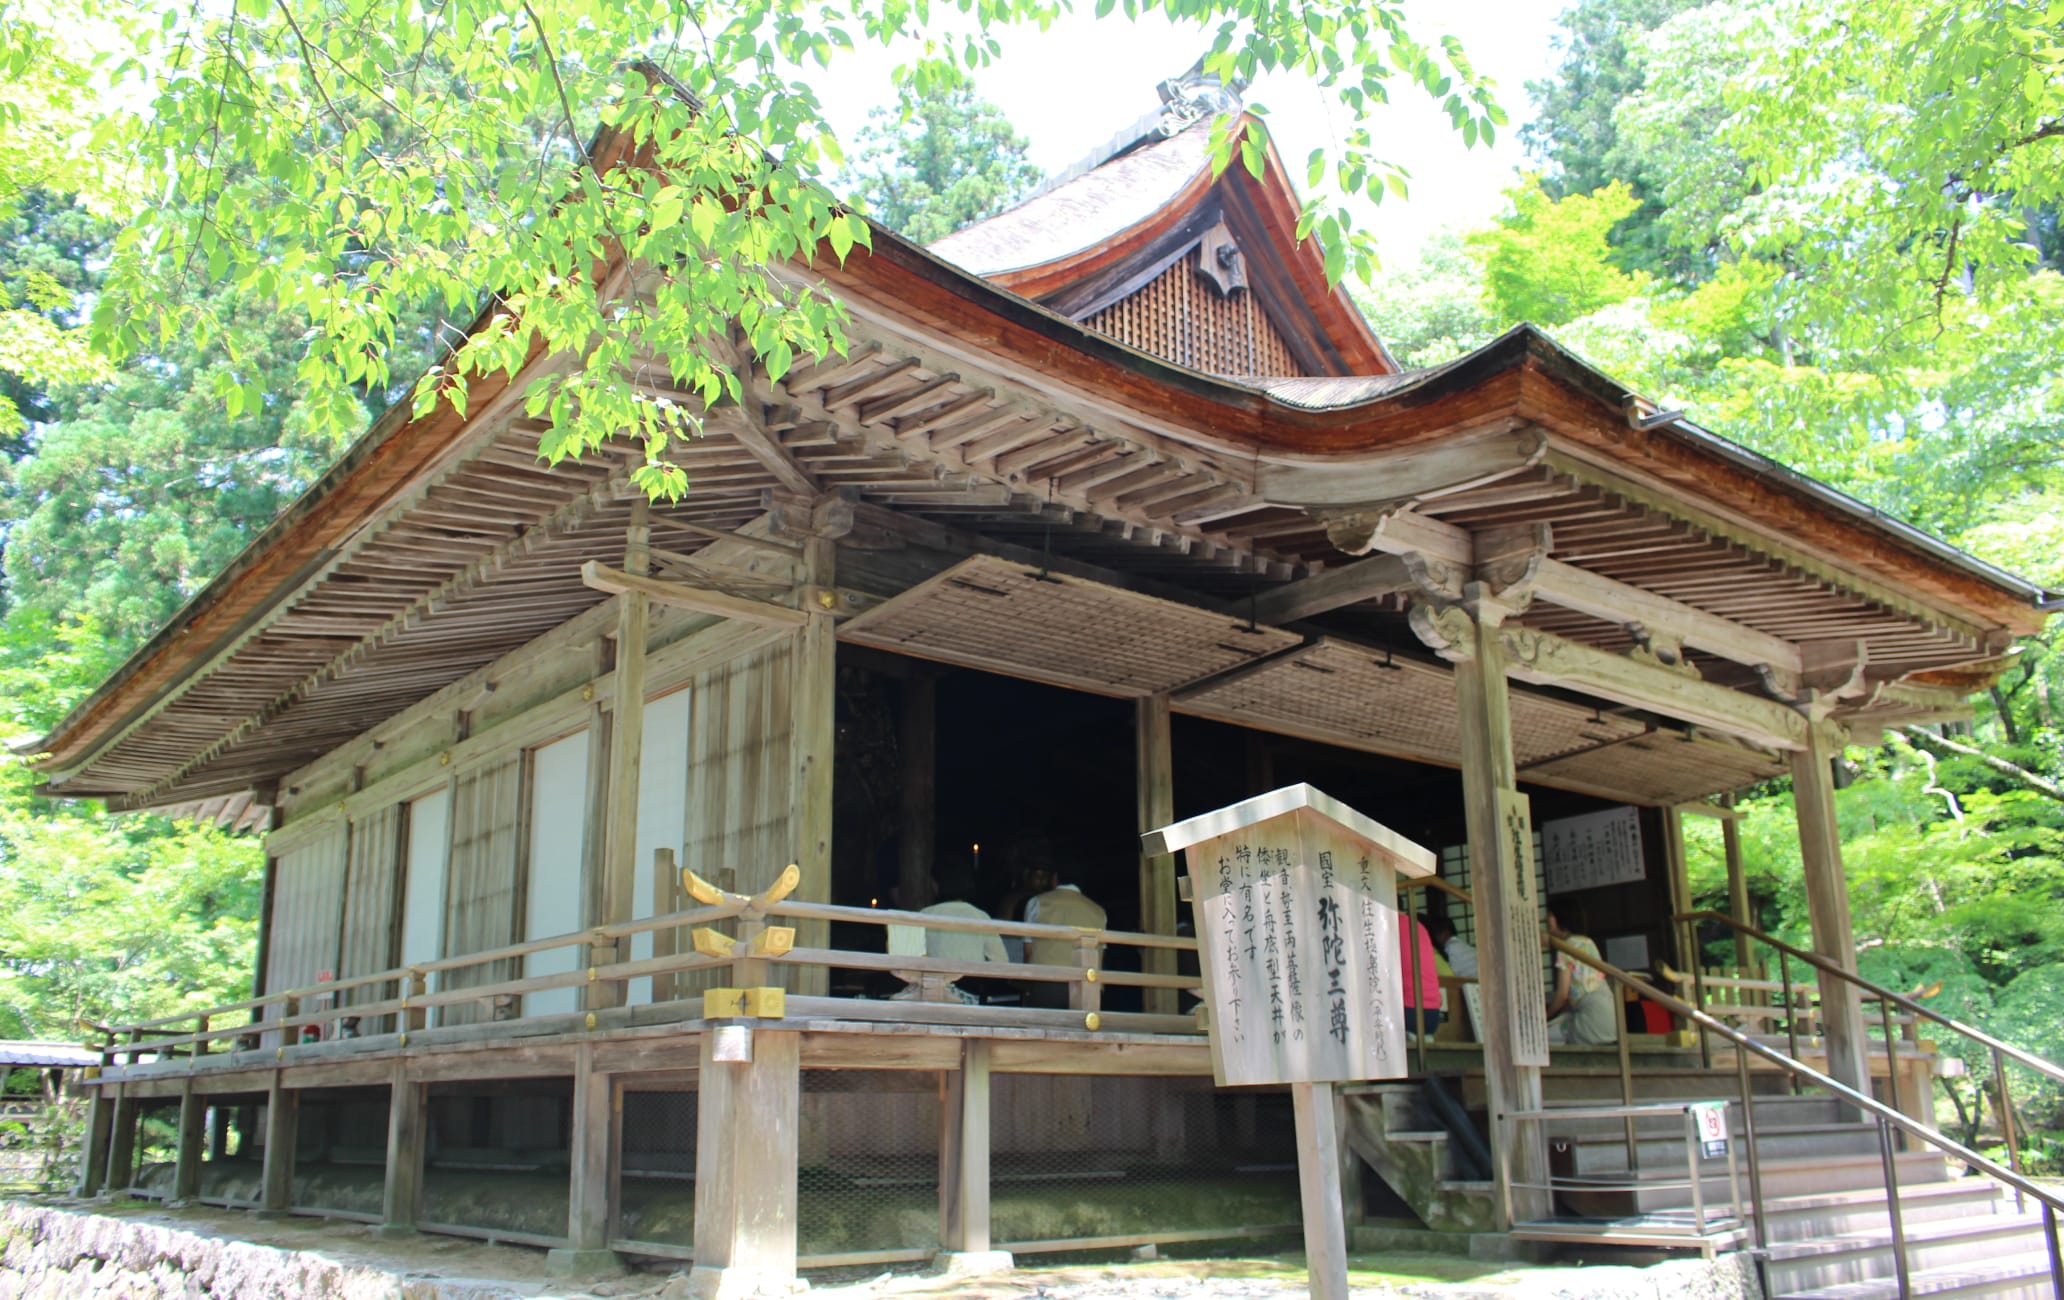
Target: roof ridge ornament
[1196, 96]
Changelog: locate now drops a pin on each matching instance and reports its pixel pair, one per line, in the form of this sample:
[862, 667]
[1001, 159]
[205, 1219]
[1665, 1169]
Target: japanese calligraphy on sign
[1602, 848]
[1525, 1000]
[1295, 901]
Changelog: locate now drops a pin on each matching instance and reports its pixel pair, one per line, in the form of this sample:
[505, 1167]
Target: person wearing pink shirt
[1413, 936]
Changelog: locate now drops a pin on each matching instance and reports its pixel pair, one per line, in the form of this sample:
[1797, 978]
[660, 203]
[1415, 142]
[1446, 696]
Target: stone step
[1818, 1262]
[1786, 1177]
[1840, 1213]
[2024, 1276]
[1596, 1152]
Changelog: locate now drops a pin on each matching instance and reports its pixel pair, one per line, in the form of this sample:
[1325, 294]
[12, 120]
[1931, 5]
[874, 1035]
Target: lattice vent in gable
[1181, 316]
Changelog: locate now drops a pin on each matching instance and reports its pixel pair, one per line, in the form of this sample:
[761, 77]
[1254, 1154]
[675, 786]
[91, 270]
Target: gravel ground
[478, 1271]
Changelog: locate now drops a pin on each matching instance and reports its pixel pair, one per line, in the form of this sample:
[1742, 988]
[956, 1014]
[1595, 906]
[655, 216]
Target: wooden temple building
[1115, 512]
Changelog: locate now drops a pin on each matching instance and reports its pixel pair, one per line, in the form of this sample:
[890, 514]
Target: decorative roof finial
[1195, 96]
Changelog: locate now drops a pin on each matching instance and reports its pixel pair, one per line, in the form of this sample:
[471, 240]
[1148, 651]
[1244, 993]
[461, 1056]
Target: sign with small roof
[1295, 900]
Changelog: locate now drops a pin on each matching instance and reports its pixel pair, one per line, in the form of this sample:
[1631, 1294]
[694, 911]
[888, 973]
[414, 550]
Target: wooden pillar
[1827, 903]
[1502, 882]
[100, 1128]
[592, 1192]
[193, 1138]
[1747, 957]
[614, 898]
[408, 1133]
[815, 738]
[747, 1116]
[1155, 765]
[121, 1158]
[282, 1127]
[964, 1153]
[918, 839]
[1688, 955]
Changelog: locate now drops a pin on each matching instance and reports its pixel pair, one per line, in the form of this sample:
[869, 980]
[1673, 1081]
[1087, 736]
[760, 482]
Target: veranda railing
[755, 945]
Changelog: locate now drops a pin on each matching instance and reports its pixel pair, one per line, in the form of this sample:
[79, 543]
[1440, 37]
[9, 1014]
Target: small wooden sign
[1295, 901]
[1528, 1010]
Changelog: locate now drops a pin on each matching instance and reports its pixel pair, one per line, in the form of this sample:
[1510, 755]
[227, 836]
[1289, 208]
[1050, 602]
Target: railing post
[1891, 1163]
[1791, 1014]
[1086, 994]
[1627, 1083]
[1755, 1161]
[415, 1017]
[1891, 1059]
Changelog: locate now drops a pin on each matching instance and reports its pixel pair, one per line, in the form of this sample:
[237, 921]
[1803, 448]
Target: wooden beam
[1623, 603]
[1407, 532]
[100, 1127]
[408, 1132]
[282, 1127]
[1362, 580]
[1546, 659]
[593, 1175]
[614, 893]
[763, 447]
[1827, 906]
[1422, 471]
[1501, 875]
[121, 1160]
[193, 1137]
[747, 1127]
[917, 843]
[964, 1152]
[699, 600]
[1154, 755]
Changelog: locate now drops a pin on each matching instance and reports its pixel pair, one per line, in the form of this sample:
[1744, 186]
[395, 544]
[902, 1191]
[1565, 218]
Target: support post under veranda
[593, 1176]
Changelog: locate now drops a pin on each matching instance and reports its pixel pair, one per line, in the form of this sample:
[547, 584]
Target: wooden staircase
[1825, 1210]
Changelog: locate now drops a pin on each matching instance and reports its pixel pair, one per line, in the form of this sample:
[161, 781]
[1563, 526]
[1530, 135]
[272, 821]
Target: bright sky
[1072, 87]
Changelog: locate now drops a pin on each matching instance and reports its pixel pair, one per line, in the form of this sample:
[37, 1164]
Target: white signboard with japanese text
[1596, 849]
[1295, 902]
[1527, 1010]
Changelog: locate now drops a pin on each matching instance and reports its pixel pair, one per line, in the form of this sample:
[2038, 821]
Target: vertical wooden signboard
[1294, 896]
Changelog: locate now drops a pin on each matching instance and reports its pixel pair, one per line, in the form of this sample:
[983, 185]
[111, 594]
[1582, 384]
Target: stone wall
[52, 1253]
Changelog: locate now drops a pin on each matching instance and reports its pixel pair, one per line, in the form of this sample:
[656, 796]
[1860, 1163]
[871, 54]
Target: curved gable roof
[1090, 241]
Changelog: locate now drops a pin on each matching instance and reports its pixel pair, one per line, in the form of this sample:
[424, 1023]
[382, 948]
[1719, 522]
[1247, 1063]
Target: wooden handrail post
[415, 1017]
[666, 900]
[1086, 994]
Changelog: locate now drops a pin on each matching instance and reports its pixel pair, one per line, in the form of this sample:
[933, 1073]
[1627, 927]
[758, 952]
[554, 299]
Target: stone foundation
[55, 1253]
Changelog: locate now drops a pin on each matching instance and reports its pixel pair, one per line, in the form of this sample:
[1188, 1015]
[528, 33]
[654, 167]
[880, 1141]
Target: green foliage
[358, 171]
[1548, 261]
[942, 158]
[1576, 131]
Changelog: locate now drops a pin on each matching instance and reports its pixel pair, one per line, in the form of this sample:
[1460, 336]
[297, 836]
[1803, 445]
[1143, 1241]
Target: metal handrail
[1820, 963]
[1888, 1118]
[1796, 1072]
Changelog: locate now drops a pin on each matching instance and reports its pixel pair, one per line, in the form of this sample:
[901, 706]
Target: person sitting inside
[1461, 956]
[1422, 1013]
[1582, 1008]
[1061, 905]
[952, 945]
